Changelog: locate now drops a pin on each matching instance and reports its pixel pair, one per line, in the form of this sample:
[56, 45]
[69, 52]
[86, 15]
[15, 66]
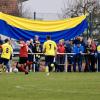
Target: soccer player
[50, 49]
[23, 56]
[6, 53]
[98, 56]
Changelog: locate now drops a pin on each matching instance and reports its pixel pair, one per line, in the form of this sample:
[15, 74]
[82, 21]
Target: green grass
[57, 86]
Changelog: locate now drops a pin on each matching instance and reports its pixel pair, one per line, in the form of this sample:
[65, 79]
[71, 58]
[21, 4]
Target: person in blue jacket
[78, 49]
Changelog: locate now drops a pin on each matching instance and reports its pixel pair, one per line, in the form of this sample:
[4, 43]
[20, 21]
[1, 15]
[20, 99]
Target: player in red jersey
[23, 56]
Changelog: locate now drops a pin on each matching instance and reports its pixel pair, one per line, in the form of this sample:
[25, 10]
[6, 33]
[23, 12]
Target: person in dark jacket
[92, 55]
[69, 48]
[87, 57]
[37, 49]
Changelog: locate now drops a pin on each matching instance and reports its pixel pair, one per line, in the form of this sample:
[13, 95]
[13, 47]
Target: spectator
[1, 41]
[32, 45]
[78, 50]
[61, 57]
[89, 40]
[82, 41]
[38, 49]
[87, 56]
[69, 48]
[92, 55]
[77, 40]
[36, 39]
[30, 57]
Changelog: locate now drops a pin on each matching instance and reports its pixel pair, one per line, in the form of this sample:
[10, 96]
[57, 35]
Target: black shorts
[23, 60]
[4, 61]
[49, 59]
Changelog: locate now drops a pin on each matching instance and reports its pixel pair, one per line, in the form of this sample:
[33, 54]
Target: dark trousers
[87, 63]
[77, 59]
[70, 61]
[92, 60]
[60, 61]
[98, 62]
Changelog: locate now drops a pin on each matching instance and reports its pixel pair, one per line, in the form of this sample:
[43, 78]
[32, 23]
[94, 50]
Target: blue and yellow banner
[16, 27]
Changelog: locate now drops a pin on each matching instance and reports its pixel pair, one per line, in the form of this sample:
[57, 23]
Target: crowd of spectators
[77, 53]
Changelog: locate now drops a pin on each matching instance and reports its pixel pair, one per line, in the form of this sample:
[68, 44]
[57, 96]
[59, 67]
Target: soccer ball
[48, 74]
[52, 65]
[15, 70]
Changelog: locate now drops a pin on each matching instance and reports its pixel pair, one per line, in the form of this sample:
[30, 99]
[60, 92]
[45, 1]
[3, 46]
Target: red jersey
[23, 50]
[61, 48]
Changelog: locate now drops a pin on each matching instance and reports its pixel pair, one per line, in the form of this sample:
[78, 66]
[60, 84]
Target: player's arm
[21, 45]
[29, 49]
[18, 44]
[44, 48]
[55, 48]
[11, 49]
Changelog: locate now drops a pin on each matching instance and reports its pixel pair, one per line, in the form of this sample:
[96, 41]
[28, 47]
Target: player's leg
[6, 61]
[47, 64]
[21, 65]
[29, 65]
[51, 63]
[1, 64]
[8, 66]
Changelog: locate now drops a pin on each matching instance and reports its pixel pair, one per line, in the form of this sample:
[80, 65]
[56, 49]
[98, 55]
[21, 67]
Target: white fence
[65, 62]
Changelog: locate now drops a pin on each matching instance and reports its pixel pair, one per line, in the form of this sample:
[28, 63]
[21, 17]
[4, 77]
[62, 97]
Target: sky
[44, 6]
[45, 9]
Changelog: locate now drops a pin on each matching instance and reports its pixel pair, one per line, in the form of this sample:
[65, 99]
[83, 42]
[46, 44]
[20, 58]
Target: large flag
[16, 27]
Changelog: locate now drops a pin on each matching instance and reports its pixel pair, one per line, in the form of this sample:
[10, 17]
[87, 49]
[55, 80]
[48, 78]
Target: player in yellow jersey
[6, 53]
[98, 52]
[49, 49]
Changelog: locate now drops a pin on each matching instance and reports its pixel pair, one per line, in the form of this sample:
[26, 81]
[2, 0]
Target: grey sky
[45, 9]
[44, 6]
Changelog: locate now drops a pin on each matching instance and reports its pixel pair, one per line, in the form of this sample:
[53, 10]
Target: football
[52, 65]
[15, 70]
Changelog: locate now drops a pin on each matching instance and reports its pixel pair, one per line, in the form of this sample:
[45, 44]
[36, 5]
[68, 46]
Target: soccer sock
[0, 70]
[4, 68]
[47, 69]
[22, 69]
[29, 63]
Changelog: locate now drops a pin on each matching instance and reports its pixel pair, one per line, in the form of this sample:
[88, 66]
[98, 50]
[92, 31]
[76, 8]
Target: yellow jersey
[98, 48]
[50, 47]
[6, 51]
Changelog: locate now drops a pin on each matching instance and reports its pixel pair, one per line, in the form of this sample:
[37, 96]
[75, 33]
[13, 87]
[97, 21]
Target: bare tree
[74, 8]
[20, 9]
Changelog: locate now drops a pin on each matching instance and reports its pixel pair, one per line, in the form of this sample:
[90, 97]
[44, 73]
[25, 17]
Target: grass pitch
[56, 86]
